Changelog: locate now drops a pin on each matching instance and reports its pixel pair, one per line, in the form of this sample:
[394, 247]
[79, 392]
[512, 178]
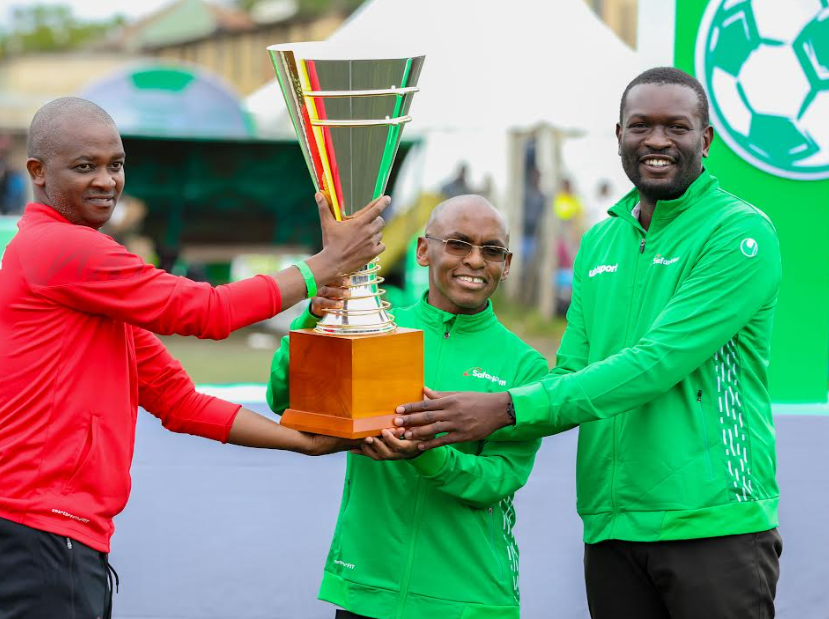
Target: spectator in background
[604, 199]
[12, 182]
[569, 212]
[458, 186]
[487, 188]
[570, 215]
[13, 194]
[535, 201]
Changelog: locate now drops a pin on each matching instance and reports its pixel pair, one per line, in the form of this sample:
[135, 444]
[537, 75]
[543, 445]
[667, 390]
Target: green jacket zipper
[420, 495]
[616, 419]
[407, 572]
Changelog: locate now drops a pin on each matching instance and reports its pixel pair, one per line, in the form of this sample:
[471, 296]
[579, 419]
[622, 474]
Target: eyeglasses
[456, 247]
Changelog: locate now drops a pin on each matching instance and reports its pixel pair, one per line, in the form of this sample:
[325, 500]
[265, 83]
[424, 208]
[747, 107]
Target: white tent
[492, 65]
[489, 63]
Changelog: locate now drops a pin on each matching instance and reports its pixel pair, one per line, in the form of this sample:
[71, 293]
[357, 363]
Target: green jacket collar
[666, 210]
[433, 318]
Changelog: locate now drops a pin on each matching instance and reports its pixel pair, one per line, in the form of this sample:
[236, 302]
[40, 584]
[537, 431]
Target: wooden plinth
[349, 385]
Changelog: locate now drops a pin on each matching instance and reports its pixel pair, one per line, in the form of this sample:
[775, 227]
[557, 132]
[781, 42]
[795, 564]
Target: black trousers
[344, 614]
[731, 577]
[47, 576]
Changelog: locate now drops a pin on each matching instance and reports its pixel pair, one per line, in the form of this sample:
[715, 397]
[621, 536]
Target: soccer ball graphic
[765, 66]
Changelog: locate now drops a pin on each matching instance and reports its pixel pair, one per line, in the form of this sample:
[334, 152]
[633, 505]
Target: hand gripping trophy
[348, 374]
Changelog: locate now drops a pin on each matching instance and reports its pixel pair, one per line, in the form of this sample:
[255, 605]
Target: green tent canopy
[171, 101]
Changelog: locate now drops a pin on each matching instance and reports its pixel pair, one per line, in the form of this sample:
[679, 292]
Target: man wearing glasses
[430, 534]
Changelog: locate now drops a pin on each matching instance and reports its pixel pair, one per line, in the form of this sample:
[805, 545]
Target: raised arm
[90, 272]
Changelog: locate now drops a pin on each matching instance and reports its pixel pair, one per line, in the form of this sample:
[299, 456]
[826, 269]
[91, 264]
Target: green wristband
[308, 276]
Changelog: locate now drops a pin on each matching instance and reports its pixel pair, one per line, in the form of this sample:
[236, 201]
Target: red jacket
[77, 358]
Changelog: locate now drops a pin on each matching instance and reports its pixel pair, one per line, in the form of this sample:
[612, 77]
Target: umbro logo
[749, 248]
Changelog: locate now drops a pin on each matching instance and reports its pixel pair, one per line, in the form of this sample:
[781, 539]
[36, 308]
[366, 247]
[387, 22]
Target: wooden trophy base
[349, 385]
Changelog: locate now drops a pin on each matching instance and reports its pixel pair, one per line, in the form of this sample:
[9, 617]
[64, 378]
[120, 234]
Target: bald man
[78, 355]
[430, 534]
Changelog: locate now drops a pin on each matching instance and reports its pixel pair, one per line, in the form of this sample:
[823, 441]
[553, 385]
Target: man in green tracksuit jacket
[663, 366]
[432, 536]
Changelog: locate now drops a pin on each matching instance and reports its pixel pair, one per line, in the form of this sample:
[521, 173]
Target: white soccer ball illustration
[765, 66]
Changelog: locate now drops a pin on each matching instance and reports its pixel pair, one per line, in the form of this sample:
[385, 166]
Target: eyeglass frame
[472, 246]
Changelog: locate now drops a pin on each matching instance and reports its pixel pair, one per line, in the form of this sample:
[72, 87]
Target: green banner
[765, 66]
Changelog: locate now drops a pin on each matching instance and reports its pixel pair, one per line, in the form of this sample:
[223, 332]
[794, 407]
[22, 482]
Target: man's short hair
[463, 199]
[670, 75]
[43, 132]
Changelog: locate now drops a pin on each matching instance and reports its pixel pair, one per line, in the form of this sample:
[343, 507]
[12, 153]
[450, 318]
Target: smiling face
[463, 284]
[83, 175]
[662, 140]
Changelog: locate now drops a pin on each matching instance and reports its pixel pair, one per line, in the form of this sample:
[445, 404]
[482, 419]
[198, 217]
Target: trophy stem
[364, 312]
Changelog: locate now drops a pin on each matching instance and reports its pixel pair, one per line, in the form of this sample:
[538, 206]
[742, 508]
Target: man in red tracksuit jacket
[78, 355]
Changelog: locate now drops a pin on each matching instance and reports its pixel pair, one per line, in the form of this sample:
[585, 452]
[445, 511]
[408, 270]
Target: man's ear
[422, 252]
[618, 139]
[37, 171]
[507, 264]
[707, 138]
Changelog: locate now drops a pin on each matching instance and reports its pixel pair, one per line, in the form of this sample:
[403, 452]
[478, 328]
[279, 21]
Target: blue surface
[223, 532]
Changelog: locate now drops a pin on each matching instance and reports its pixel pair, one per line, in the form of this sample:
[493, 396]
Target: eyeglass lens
[490, 253]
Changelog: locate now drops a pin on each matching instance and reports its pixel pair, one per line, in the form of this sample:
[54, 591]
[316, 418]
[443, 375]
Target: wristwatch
[511, 412]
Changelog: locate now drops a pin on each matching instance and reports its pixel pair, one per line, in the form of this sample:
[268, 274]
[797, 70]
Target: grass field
[245, 357]
[230, 361]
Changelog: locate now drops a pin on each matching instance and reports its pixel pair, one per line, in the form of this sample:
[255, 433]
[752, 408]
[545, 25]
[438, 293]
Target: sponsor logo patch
[663, 260]
[749, 248]
[604, 268]
[60, 512]
[480, 373]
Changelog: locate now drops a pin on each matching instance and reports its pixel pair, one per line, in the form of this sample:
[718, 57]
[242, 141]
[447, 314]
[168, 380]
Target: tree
[307, 7]
[50, 27]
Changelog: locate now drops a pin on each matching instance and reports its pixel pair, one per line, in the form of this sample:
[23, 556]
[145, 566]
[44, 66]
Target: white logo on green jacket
[604, 268]
[749, 247]
[348, 566]
[480, 373]
[658, 259]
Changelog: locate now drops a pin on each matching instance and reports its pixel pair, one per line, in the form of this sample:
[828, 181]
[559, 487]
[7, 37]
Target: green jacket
[663, 365]
[432, 537]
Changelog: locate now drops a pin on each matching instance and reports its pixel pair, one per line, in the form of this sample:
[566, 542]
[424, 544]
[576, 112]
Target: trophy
[349, 373]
